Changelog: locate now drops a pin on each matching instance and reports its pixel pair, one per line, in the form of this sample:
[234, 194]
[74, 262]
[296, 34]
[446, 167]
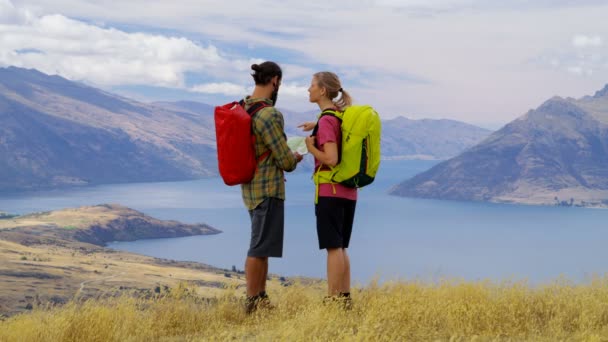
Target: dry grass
[29, 274]
[73, 218]
[412, 311]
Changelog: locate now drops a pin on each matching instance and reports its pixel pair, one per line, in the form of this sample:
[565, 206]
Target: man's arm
[269, 125]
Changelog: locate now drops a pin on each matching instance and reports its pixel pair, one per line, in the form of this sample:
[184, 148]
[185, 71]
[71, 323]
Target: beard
[274, 96]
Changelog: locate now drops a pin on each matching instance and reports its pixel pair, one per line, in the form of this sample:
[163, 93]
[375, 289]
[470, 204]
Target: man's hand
[298, 156]
[307, 126]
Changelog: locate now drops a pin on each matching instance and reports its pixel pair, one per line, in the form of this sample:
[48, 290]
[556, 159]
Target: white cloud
[56, 44]
[583, 41]
[578, 70]
[458, 5]
[224, 88]
[426, 4]
[11, 15]
[472, 55]
[295, 90]
[583, 57]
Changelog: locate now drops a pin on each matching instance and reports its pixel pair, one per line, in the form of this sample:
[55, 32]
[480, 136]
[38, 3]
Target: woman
[335, 207]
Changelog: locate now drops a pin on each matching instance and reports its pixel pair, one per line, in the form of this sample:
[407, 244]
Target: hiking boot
[251, 304]
[260, 301]
[329, 300]
[264, 302]
[347, 301]
[343, 301]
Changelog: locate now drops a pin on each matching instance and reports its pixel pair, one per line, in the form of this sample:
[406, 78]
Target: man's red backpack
[235, 139]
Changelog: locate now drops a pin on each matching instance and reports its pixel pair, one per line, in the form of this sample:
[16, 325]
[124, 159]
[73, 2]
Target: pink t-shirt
[329, 131]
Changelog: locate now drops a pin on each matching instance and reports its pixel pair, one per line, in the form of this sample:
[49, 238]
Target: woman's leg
[335, 271]
[345, 286]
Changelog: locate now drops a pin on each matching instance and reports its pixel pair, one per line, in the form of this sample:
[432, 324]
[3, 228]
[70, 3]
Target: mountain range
[55, 132]
[402, 138]
[556, 154]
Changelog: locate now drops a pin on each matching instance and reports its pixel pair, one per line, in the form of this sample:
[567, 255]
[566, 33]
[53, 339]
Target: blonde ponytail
[332, 85]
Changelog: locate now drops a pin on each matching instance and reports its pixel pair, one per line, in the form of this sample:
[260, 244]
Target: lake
[393, 238]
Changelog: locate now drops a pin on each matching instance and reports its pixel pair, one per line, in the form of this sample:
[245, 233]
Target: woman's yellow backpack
[360, 153]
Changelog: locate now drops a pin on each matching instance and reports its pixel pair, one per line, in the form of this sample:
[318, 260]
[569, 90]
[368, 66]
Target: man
[264, 196]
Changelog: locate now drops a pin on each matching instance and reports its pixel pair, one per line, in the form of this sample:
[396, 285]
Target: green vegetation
[412, 311]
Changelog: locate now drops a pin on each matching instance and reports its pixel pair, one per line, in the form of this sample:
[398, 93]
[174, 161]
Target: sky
[484, 62]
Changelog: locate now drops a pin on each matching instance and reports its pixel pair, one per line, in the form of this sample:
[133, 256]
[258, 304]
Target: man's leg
[263, 284]
[255, 269]
[335, 270]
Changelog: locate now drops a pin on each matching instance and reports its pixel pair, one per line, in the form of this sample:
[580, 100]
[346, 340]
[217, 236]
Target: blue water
[393, 238]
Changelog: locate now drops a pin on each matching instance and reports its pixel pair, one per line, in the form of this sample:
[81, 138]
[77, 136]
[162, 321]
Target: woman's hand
[310, 143]
[307, 126]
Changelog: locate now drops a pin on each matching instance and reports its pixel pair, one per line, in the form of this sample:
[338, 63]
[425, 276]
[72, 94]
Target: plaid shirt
[268, 181]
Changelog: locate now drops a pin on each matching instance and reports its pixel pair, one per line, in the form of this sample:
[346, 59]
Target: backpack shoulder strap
[254, 108]
[324, 113]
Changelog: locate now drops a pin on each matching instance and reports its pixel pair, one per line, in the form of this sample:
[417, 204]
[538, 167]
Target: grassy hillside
[404, 311]
[55, 257]
[40, 275]
[96, 225]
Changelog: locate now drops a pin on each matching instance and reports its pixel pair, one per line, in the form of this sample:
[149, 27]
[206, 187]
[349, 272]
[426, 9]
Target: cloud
[224, 88]
[585, 56]
[77, 50]
[431, 58]
[583, 41]
[11, 15]
[295, 90]
[426, 4]
[485, 5]
[580, 70]
[232, 89]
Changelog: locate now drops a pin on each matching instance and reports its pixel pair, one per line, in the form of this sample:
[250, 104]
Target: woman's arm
[307, 126]
[329, 155]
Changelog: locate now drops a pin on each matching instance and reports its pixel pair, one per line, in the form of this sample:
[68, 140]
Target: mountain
[403, 138]
[55, 132]
[190, 107]
[556, 154]
[428, 139]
